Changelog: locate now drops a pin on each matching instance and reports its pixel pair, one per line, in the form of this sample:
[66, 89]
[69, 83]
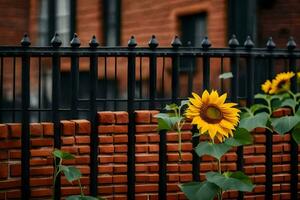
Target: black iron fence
[73, 82]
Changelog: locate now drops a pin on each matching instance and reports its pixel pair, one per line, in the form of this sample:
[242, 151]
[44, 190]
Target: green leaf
[240, 137]
[231, 181]
[280, 96]
[262, 96]
[183, 103]
[214, 150]
[79, 197]
[289, 103]
[244, 115]
[296, 133]
[164, 122]
[71, 173]
[226, 75]
[284, 124]
[199, 191]
[62, 155]
[252, 122]
[172, 106]
[257, 107]
[275, 104]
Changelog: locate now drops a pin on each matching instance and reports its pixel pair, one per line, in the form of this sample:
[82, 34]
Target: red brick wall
[112, 167]
[280, 20]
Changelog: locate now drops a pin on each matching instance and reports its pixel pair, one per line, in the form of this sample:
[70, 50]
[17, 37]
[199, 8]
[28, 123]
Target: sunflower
[282, 82]
[266, 87]
[298, 74]
[212, 115]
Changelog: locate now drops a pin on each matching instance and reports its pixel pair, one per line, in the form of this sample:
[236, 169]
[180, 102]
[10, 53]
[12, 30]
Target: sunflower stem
[220, 171]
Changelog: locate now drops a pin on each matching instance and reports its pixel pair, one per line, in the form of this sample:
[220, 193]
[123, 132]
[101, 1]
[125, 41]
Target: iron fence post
[153, 63]
[93, 119]
[131, 126]
[25, 138]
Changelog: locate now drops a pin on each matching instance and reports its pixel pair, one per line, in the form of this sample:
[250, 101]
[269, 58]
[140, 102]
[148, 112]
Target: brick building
[114, 21]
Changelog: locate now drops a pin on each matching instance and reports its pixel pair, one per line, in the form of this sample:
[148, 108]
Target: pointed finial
[93, 42]
[291, 44]
[189, 43]
[75, 42]
[25, 42]
[248, 44]
[153, 43]
[132, 42]
[176, 42]
[270, 44]
[233, 42]
[205, 43]
[56, 41]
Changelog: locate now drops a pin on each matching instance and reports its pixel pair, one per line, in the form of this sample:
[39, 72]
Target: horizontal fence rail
[75, 82]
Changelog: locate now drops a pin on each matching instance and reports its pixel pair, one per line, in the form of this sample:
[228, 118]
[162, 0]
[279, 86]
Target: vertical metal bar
[269, 143]
[234, 98]
[93, 119]
[152, 84]
[55, 113]
[25, 138]
[40, 89]
[175, 77]
[1, 88]
[105, 83]
[75, 85]
[250, 80]
[163, 77]
[222, 71]
[294, 145]
[191, 75]
[206, 72]
[116, 88]
[14, 89]
[196, 159]
[162, 165]
[131, 126]
[141, 81]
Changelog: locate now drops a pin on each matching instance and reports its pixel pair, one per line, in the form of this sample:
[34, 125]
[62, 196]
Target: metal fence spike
[176, 42]
[248, 43]
[205, 43]
[56, 41]
[75, 42]
[153, 43]
[93, 42]
[270, 44]
[25, 42]
[233, 42]
[132, 42]
[291, 44]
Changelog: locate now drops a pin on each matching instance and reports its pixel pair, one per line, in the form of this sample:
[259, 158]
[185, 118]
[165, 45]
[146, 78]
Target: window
[56, 16]
[112, 22]
[193, 30]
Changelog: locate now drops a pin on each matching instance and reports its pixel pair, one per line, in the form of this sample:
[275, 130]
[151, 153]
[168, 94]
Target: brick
[142, 116]
[119, 179]
[120, 129]
[41, 192]
[37, 142]
[82, 126]
[14, 154]
[141, 138]
[3, 131]
[48, 129]
[153, 118]
[68, 140]
[121, 148]
[119, 168]
[82, 139]
[10, 144]
[146, 158]
[41, 171]
[106, 159]
[15, 170]
[146, 128]
[3, 155]
[105, 179]
[41, 152]
[120, 158]
[105, 139]
[3, 170]
[121, 117]
[106, 117]
[84, 149]
[105, 129]
[15, 130]
[120, 139]
[105, 169]
[107, 149]
[68, 127]
[36, 129]
[10, 184]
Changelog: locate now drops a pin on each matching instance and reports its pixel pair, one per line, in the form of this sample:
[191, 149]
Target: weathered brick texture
[112, 160]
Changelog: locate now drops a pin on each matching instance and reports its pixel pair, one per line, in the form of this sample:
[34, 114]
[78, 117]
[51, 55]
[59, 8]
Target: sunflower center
[211, 114]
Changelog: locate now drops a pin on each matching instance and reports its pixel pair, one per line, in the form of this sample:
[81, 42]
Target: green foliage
[285, 124]
[296, 133]
[71, 173]
[214, 150]
[199, 191]
[254, 121]
[240, 137]
[231, 181]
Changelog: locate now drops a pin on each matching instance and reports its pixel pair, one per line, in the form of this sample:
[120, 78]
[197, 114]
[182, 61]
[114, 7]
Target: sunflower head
[266, 87]
[282, 82]
[212, 115]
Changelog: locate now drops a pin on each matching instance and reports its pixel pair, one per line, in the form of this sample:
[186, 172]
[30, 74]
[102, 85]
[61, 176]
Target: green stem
[81, 189]
[220, 171]
[179, 141]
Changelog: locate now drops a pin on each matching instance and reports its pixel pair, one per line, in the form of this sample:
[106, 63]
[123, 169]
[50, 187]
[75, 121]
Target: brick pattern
[112, 177]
